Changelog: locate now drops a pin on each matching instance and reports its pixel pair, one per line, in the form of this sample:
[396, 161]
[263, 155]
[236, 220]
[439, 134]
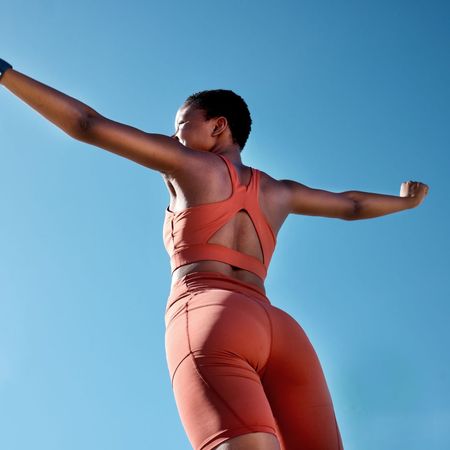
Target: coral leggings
[240, 365]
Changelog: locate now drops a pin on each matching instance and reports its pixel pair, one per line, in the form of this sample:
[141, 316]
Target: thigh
[296, 388]
[216, 346]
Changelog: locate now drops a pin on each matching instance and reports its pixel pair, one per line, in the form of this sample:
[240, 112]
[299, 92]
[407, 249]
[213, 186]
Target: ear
[221, 124]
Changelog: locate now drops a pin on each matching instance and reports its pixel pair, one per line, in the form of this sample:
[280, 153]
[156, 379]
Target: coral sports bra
[186, 233]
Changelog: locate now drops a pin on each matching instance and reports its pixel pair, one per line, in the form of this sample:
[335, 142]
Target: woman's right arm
[78, 120]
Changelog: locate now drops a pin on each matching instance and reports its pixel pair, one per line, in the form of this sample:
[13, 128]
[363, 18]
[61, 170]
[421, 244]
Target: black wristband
[4, 66]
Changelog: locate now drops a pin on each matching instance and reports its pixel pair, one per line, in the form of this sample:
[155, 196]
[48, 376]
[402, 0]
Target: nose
[174, 136]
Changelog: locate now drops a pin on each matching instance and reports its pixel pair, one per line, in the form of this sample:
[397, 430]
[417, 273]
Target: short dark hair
[222, 102]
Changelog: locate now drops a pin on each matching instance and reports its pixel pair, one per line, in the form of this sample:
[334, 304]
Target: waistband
[198, 281]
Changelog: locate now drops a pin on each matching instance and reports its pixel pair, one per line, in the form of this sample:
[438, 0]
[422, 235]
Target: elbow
[82, 127]
[354, 211]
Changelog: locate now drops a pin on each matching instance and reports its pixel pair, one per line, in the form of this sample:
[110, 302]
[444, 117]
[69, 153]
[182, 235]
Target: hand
[4, 66]
[415, 190]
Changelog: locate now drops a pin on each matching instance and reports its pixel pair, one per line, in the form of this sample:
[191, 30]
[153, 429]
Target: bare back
[207, 180]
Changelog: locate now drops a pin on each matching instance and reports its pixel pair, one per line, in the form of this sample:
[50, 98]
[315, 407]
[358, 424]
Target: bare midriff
[217, 266]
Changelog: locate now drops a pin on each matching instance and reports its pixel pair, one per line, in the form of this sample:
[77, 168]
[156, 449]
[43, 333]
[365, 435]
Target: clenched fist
[414, 189]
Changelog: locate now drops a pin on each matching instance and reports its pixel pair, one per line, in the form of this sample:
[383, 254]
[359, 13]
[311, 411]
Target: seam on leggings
[263, 369]
[262, 305]
[191, 295]
[200, 374]
[176, 368]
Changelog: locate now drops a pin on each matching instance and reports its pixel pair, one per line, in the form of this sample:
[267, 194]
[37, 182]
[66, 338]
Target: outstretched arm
[353, 205]
[155, 151]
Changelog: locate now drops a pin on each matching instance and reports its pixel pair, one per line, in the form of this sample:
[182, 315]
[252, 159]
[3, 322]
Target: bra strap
[233, 175]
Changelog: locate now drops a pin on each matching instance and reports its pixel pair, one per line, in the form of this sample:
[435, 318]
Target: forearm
[369, 205]
[65, 112]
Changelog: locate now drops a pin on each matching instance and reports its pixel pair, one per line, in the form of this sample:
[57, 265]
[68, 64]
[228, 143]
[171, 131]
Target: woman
[244, 374]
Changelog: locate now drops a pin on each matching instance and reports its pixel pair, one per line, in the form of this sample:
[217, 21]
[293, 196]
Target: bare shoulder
[275, 190]
[197, 165]
[275, 199]
[202, 178]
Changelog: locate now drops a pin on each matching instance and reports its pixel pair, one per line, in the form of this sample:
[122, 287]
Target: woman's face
[192, 129]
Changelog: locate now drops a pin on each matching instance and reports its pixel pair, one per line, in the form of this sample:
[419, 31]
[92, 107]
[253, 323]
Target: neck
[232, 153]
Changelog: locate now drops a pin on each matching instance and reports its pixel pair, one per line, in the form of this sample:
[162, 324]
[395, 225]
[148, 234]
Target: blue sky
[348, 95]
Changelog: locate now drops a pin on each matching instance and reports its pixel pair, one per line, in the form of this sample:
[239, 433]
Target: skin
[191, 151]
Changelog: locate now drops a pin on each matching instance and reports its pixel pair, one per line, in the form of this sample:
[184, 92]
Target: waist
[215, 252]
[222, 268]
[198, 281]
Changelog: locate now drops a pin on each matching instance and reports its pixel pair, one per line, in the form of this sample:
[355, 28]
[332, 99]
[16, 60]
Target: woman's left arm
[351, 205]
[369, 205]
